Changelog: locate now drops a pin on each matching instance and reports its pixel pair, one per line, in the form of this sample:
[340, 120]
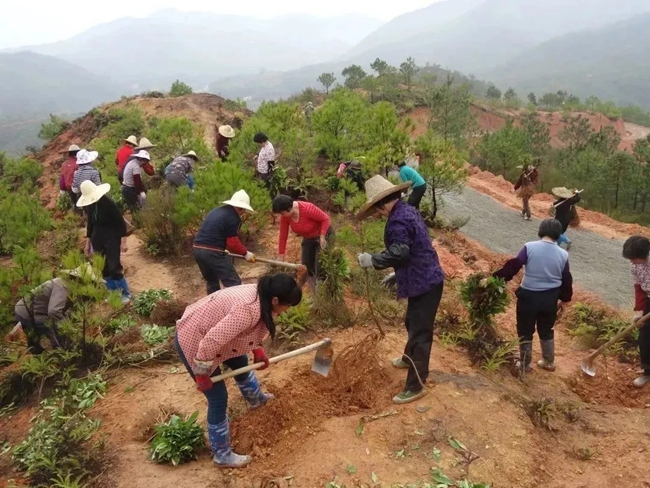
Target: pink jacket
[223, 325]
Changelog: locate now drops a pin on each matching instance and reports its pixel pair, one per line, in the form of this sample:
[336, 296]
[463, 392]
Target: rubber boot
[548, 355]
[123, 285]
[219, 438]
[252, 391]
[525, 356]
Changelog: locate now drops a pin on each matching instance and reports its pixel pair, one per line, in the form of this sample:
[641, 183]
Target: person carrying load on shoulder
[418, 185]
[565, 211]
[525, 187]
[419, 276]
[218, 235]
[179, 171]
[221, 329]
[637, 250]
[543, 294]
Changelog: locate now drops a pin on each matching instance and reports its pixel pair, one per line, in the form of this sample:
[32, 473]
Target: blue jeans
[563, 239]
[217, 395]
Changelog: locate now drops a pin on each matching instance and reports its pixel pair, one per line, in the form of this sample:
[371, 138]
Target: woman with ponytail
[223, 328]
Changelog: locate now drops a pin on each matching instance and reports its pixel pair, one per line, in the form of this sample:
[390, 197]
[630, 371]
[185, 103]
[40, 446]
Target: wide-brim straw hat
[561, 192]
[132, 140]
[191, 154]
[378, 188]
[83, 271]
[240, 199]
[144, 144]
[91, 193]
[72, 148]
[227, 131]
[86, 157]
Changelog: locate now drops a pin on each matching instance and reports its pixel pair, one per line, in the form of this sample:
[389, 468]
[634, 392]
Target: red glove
[203, 382]
[259, 356]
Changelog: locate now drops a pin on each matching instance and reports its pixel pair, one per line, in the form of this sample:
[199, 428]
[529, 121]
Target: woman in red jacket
[309, 222]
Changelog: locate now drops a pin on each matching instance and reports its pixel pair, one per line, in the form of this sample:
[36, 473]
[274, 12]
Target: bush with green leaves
[154, 335]
[145, 301]
[178, 440]
[293, 322]
[19, 172]
[22, 218]
[180, 89]
[56, 126]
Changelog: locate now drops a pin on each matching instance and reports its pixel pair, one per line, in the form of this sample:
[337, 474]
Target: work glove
[637, 315]
[62, 192]
[259, 356]
[203, 368]
[249, 257]
[323, 242]
[203, 382]
[365, 260]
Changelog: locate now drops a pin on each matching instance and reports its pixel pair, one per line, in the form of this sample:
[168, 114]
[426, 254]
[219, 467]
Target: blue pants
[563, 239]
[217, 395]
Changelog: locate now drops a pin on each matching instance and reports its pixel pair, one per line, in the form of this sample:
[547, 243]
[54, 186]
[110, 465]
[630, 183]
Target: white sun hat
[132, 140]
[227, 131]
[86, 157]
[142, 154]
[240, 199]
[90, 193]
[378, 188]
[83, 271]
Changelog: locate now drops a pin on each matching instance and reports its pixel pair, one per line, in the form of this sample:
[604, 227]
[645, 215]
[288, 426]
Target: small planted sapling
[177, 441]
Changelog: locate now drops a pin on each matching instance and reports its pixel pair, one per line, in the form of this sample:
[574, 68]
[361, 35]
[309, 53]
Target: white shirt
[131, 168]
[266, 155]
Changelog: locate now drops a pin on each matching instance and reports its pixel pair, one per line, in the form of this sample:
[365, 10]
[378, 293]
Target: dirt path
[634, 132]
[596, 260]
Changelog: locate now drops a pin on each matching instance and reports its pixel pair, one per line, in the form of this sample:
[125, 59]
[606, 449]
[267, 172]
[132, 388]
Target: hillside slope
[35, 85]
[611, 63]
[199, 47]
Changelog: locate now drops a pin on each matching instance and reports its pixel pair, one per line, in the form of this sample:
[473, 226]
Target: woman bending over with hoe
[419, 277]
[545, 290]
[637, 250]
[223, 328]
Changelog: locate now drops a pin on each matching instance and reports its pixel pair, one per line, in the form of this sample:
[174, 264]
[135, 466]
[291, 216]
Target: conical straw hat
[378, 188]
[561, 192]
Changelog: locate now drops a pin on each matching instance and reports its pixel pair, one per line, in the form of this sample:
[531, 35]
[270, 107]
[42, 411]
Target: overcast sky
[24, 22]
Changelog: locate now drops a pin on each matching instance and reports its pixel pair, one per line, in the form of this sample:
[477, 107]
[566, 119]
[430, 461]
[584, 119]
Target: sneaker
[544, 364]
[408, 396]
[399, 363]
[568, 246]
[527, 217]
[126, 299]
[641, 381]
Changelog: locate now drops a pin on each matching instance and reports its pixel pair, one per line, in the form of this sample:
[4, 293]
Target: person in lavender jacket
[545, 290]
[418, 275]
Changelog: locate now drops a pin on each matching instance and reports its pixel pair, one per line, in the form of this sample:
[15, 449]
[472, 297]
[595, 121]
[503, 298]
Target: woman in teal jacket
[418, 185]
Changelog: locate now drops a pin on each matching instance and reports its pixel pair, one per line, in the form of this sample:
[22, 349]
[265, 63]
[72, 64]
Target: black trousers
[420, 317]
[36, 330]
[216, 267]
[536, 310]
[130, 197]
[644, 340]
[416, 196]
[108, 244]
[310, 251]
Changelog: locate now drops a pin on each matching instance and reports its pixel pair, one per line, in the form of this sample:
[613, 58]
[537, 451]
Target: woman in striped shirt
[309, 222]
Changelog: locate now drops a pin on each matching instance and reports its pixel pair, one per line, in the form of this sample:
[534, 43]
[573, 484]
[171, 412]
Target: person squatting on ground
[106, 233]
[418, 185]
[565, 211]
[223, 328]
[546, 288]
[133, 191]
[46, 305]
[525, 187]
[179, 171]
[68, 169]
[219, 233]
[124, 153]
[222, 140]
[637, 250]
[418, 274]
[85, 170]
[265, 159]
[310, 223]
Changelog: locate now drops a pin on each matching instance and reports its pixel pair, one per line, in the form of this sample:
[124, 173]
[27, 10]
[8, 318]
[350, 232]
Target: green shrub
[56, 126]
[154, 334]
[294, 321]
[177, 441]
[145, 301]
[22, 218]
[180, 89]
[163, 235]
[18, 172]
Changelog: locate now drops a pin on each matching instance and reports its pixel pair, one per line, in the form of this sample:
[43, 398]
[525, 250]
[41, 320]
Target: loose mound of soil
[167, 312]
[611, 387]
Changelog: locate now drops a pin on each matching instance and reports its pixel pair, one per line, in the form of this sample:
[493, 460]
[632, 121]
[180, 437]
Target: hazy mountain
[494, 31]
[611, 62]
[34, 85]
[199, 47]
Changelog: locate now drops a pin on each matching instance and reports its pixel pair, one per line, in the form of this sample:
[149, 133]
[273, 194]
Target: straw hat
[561, 192]
[90, 193]
[378, 188]
[86, 157]
[142, 154]
[227, 131]
[144, 144]
[83, 271]
[191, 154]
[240, 199]
[132, 140]
[72, 148]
